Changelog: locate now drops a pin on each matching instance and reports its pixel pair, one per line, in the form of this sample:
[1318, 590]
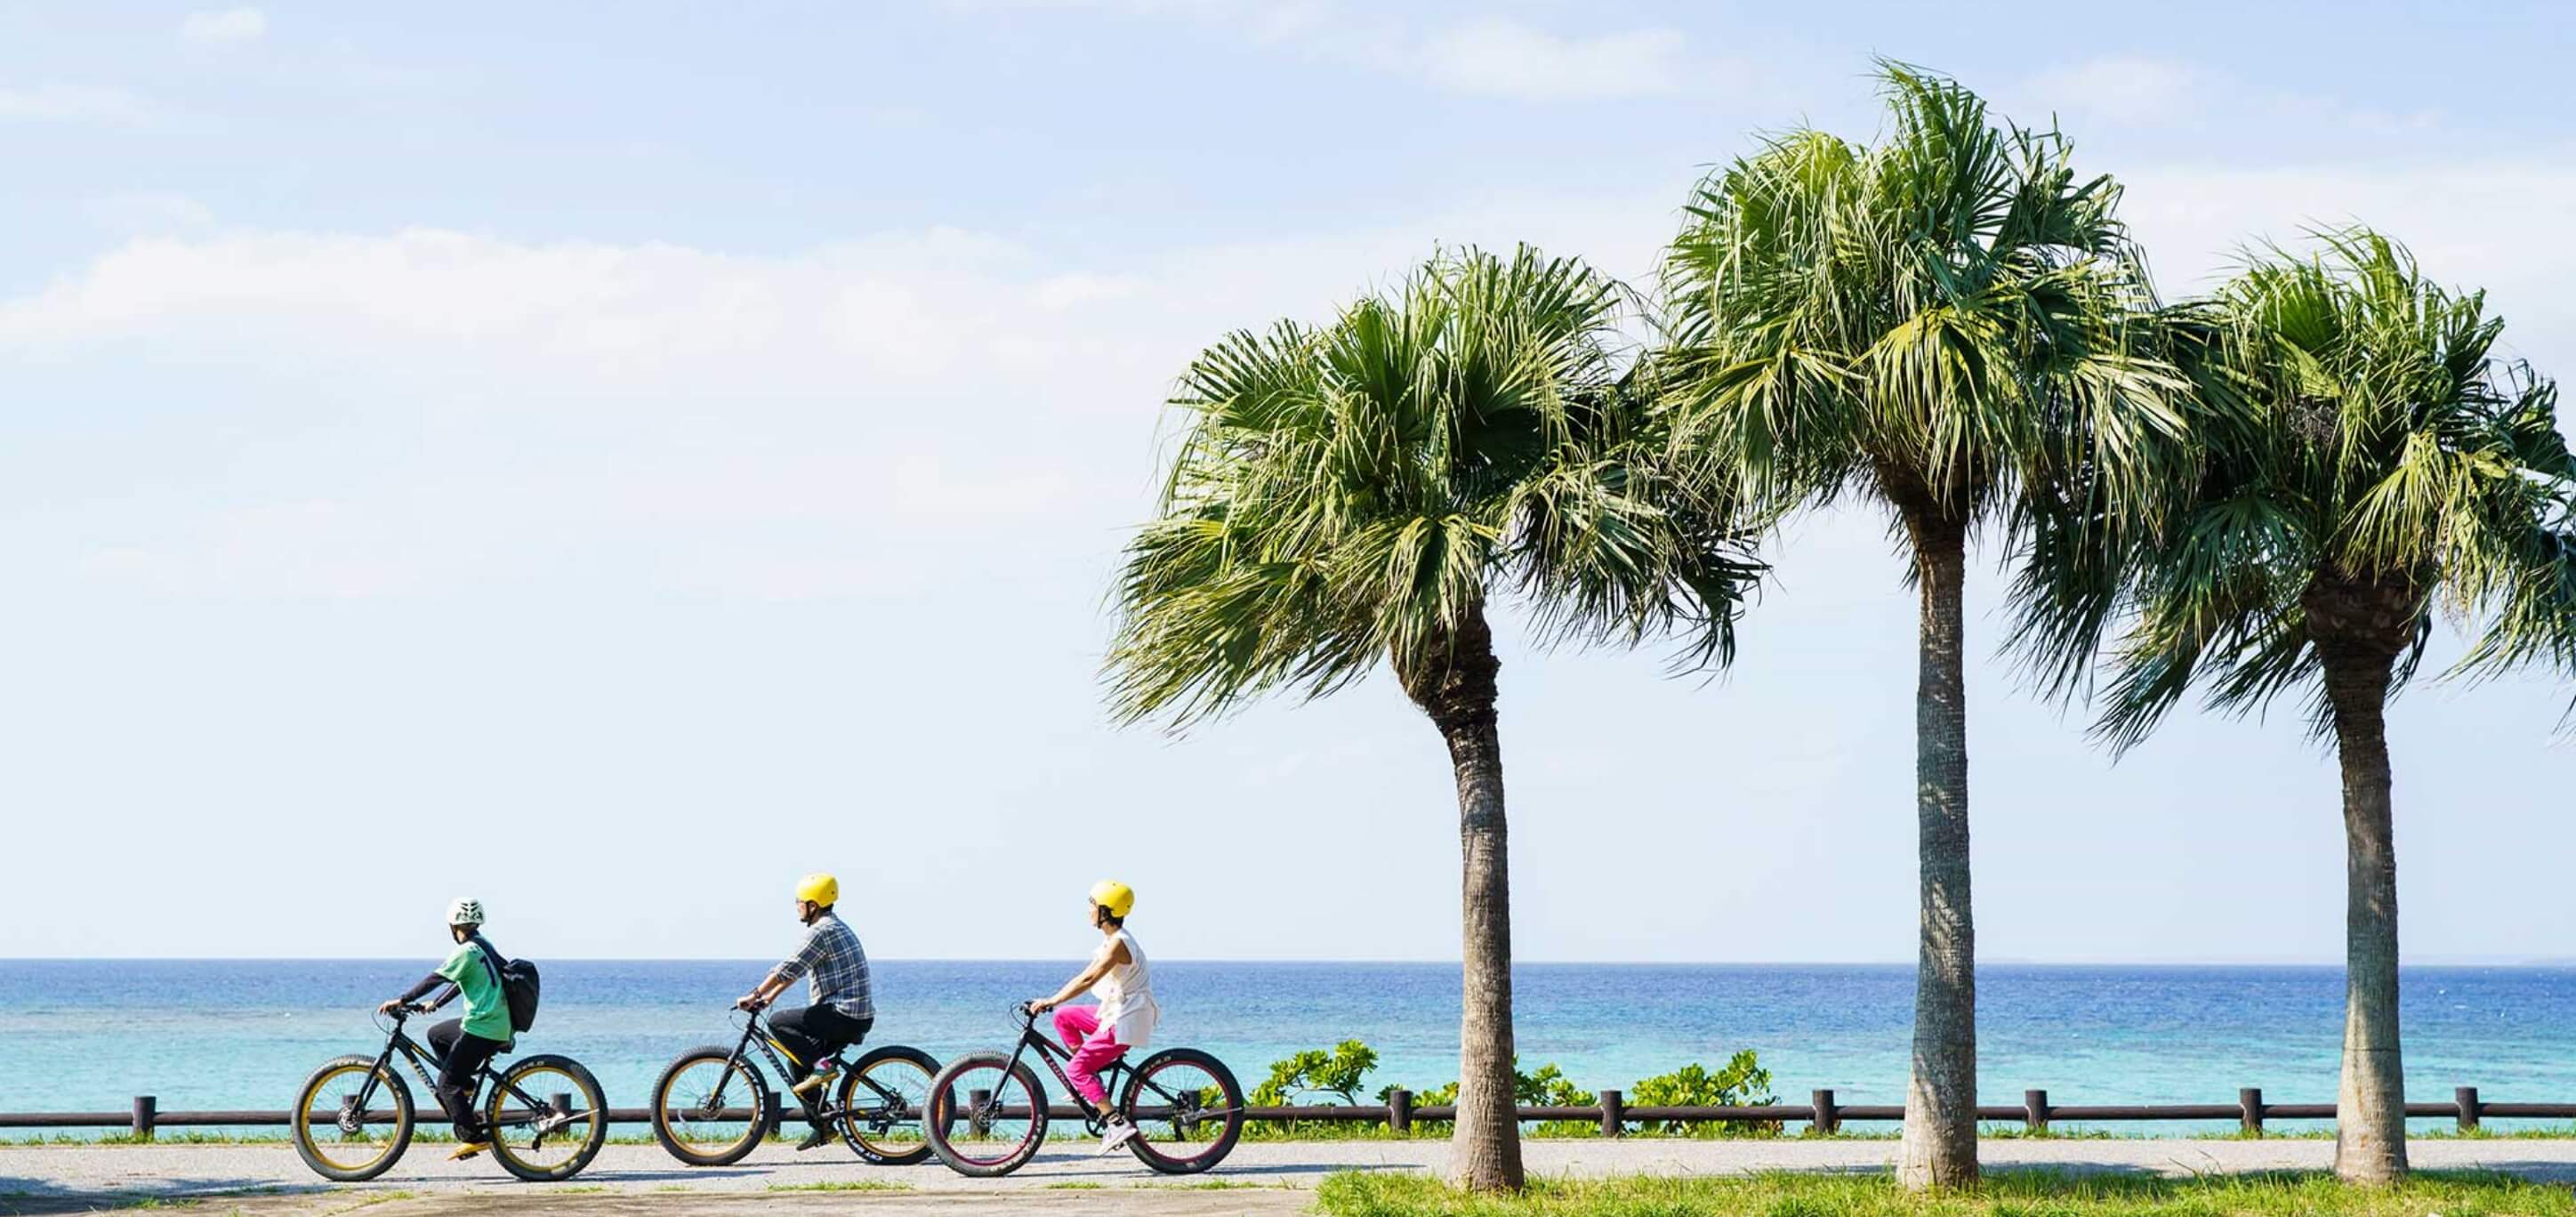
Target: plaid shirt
[835, 968]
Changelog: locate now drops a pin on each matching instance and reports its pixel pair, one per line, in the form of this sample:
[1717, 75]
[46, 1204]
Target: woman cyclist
[1126, 1014]
[464, 1044]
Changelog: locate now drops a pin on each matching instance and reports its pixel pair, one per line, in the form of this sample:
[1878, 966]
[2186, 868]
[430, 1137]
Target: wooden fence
[1612, 1113]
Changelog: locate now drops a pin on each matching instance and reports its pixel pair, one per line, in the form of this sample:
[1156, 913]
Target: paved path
[1270, 1177]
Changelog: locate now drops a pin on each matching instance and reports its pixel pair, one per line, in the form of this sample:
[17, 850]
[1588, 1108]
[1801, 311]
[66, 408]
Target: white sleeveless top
[1127, 993]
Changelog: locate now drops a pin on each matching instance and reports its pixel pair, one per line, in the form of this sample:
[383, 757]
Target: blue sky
[612, 461]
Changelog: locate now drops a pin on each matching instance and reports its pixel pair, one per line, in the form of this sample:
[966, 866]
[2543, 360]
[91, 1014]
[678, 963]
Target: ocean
[210, 1034]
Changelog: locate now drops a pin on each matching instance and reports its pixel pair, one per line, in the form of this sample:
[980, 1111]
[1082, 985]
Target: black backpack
[519, 985]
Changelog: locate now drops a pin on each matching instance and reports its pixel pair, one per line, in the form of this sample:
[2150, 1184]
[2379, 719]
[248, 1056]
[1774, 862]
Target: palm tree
[1362, 493]
[2380, 460]
[1941, 324]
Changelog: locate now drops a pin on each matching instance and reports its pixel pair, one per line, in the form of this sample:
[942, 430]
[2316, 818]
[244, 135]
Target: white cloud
[866, 418]
[150, 212]
[2143, 92]
[1486, 57]
[683, 420]
[2480, 223]
[68, 103]
[2123, 88]
[1502, 58]
[224, 26]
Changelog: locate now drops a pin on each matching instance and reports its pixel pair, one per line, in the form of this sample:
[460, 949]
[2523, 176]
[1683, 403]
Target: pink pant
[1079, 1028]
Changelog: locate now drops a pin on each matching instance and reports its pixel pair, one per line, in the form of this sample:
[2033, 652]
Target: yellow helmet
[1114, 896]
[819, 888]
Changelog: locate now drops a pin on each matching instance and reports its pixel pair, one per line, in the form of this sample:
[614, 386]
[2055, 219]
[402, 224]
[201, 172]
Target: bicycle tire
[870, 1143]
[942, 1115]
[755, 1131]
[1227, 1132]
[589, 1112]
[399, 1141]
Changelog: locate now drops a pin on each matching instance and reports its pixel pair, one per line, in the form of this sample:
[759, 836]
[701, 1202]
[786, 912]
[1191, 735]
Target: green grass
[844, 1185]
[2004, 1194]
[1075, 1185]
[376, 1199]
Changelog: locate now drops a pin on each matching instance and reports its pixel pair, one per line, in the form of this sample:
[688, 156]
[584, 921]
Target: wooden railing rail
[1823, 1113]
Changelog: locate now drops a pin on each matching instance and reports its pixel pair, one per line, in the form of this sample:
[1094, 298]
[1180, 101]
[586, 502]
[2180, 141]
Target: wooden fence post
[776, 1115]
[146, 1108]
[1614, 1112]
[2249, 1109]
[2034, 1110]
[1399, 1110]
[2468, 1100]
[1826, 1121]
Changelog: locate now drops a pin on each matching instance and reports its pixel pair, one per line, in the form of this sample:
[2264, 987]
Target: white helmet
[466, 911]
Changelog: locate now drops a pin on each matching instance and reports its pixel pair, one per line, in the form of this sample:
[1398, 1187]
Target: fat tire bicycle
[711, 1105]
[1185, 1104]
[354, 1117]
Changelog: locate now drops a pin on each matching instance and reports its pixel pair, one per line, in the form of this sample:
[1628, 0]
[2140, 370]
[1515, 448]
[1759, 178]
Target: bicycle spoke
[349, 1122]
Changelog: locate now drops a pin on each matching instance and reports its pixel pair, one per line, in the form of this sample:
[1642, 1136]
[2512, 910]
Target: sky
[611, 461]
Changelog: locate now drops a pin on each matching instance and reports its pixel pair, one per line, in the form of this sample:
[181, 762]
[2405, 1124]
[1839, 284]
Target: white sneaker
[1118, 1135]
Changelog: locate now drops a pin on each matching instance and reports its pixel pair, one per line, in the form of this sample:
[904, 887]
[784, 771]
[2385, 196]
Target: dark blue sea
[88, 1035]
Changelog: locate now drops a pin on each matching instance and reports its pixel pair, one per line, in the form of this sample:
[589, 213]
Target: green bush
[1742, 1083]
[1340, 1073]
[1315, 1073]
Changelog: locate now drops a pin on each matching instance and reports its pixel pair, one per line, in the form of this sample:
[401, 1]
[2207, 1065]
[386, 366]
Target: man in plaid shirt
[839, 1011]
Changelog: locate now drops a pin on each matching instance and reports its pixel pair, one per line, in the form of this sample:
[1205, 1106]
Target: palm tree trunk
[1940, 1147]
[2370, 1107]
[1456, 688]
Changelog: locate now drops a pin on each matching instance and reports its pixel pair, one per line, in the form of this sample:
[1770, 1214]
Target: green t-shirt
[487, 1012]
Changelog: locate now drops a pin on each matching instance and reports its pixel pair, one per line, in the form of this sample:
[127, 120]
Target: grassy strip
[2004, 1194]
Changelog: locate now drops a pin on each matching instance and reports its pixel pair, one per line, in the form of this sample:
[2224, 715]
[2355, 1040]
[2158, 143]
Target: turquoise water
[88, 1035]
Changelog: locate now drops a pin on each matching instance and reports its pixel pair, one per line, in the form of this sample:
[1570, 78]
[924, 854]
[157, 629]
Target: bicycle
[1196, 1105]
[557, 1127]
[876, 1107]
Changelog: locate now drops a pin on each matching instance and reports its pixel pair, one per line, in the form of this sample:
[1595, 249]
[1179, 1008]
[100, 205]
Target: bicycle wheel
[547, 1118]
[707, 1107]
[881, 1102]
[1187, 1109]
[341, 1140]
[986, 1117]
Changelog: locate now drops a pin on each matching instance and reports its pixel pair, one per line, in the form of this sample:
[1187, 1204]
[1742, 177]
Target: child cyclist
[464, 1044]
[1126, 1014]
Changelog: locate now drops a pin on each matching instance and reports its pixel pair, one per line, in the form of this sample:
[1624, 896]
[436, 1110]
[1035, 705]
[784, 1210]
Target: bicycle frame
[756, 1033]
[419, 1057]
[1057, 1056]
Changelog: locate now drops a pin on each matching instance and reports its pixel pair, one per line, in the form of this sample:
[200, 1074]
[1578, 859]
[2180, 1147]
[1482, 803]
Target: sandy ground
[1263, 1177]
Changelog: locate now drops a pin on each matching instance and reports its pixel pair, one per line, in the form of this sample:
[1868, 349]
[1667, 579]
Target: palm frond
[1352, 494]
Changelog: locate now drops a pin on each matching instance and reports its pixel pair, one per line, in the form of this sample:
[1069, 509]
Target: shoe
[1117, 1136]
[468, 1150]
[814, 1140]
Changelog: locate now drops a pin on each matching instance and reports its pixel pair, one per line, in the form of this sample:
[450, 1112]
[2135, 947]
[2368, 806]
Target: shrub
[1742, 1083]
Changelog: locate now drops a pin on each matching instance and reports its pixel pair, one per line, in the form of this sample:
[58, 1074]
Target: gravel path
[1263, 1177]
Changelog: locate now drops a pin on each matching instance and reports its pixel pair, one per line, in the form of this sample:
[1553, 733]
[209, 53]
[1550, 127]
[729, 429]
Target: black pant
[461, 1057]
[815, 1032]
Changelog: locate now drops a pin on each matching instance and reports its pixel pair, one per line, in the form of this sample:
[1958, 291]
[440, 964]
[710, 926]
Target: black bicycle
[988, 1111]
[353, 1119]
[710, 1107]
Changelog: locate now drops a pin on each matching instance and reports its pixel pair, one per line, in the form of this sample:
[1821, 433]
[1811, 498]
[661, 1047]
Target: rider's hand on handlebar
[751, 1002]
[391, 1006]
[1040, 1006]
